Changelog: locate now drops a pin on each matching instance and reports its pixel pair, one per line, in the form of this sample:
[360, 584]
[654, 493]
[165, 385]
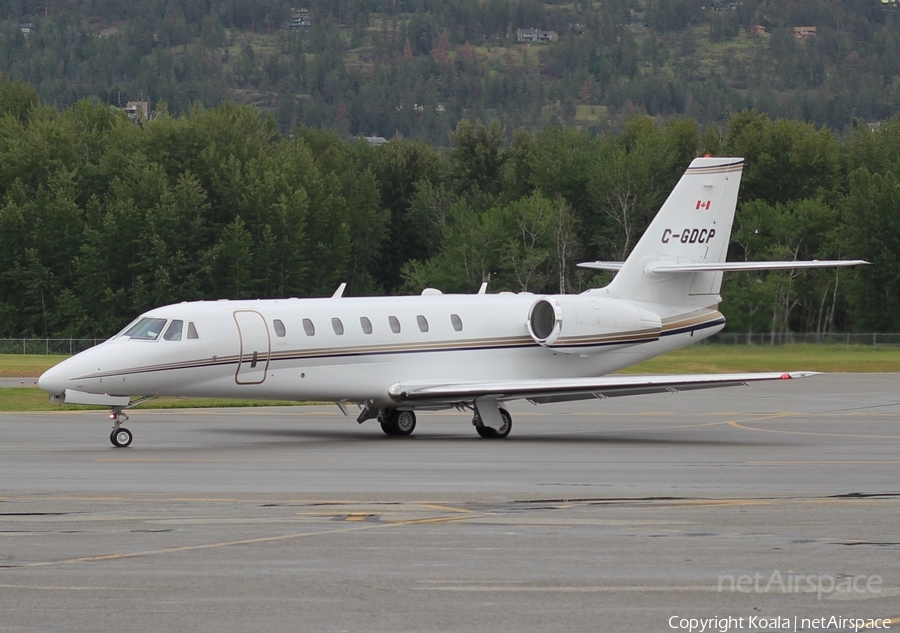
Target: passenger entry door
[253, 333]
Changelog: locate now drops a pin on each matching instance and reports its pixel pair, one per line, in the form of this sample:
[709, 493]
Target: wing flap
[561, 389]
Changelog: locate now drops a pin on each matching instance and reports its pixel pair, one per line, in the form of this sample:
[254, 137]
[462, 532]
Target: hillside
[381, 67]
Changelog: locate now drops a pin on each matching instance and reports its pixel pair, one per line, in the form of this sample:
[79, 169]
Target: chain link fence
[64, 346]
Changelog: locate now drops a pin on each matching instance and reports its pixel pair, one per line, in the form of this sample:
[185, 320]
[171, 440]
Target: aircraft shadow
[555, 438]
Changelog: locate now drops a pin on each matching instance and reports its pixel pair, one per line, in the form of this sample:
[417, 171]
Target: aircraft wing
[563, 389]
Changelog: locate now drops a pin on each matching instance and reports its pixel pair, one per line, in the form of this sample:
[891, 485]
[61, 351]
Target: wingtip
[800, 374]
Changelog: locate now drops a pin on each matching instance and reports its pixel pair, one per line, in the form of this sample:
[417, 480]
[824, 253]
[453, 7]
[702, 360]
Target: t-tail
[680, 259]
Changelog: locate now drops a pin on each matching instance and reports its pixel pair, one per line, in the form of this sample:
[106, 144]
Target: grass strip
[714, 358]
[27, 365]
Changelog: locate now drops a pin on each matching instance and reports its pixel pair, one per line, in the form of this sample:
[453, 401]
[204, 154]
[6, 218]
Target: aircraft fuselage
[354, 349]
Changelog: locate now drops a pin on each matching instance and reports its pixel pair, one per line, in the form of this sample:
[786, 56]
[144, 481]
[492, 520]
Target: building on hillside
[802, 32]
[138, 111]
[376, 140]
[300, 19]
[536, 35]
[758, 29]
[26, 28]
[638, 28]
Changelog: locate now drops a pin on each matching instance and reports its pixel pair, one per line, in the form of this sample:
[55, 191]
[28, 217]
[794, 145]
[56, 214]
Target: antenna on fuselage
[483, 289]
[340, 291]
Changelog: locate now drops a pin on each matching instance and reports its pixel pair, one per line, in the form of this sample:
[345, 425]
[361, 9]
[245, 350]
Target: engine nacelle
[581, 324]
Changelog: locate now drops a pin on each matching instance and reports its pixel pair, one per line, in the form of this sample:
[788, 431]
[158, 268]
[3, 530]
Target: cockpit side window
[192, 331]
[174, 331]
[147, 329]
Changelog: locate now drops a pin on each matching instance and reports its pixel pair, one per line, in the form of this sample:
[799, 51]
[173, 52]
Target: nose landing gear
[120, 436]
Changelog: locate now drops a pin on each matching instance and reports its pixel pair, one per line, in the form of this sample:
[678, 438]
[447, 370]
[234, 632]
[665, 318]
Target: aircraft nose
[72, 373]
[53, 381]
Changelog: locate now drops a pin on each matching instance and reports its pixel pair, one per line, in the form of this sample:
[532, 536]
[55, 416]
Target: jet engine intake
[581, 324]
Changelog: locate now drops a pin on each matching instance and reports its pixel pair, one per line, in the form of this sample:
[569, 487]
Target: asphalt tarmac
[777, 501]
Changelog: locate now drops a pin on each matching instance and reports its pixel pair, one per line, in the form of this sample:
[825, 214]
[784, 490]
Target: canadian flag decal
[703, 204]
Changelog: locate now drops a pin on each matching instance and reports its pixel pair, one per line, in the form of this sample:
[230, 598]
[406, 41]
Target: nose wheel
[120, 436]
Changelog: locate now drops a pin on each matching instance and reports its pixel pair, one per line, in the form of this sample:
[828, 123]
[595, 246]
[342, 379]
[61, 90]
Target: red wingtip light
[785, 376]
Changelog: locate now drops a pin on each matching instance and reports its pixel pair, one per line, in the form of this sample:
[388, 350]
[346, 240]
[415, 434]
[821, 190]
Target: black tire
[485, 431]
[404, 422]
[491, 433]
[506, 427]
[121, 437]
[389, 428]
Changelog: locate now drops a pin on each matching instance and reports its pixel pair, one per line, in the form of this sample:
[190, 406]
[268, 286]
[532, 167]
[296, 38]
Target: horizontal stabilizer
[667, 268]
[555, 389]
[602, 265]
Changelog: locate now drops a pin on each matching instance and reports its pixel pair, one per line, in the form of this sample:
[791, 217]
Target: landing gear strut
[120, 436]
[490, 433]
[394, 422]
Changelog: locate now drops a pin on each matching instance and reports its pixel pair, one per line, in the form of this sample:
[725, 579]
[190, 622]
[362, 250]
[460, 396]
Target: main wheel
[485, 431]
[389, 428]
[120, 437]
[488, 432]
[405, 422]
[506, 427]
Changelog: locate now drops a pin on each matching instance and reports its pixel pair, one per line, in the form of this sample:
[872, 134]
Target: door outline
[249, 360]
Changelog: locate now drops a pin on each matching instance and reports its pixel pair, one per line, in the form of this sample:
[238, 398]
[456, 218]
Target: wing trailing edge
[561, 389]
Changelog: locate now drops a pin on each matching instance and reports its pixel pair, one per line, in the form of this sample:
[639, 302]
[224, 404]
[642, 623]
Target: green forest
[101, 219]
[508, 162]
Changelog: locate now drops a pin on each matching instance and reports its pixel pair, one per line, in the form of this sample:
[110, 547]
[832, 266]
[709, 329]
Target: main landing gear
[488, 432]
[120, 436]
[395, 422]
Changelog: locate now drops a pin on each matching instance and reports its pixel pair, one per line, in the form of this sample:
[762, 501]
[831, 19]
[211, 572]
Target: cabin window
[338, 326]
[366, 325]
[192, 331]
[147, 329]
[309, 328]
[174, 331]
[423, 323]
[456, 321]
[395, 324]
[279, 328]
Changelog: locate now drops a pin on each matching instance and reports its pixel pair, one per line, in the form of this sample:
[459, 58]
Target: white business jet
[393, 356]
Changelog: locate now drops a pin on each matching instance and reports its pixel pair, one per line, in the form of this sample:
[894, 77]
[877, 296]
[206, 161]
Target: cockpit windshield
[147, 329]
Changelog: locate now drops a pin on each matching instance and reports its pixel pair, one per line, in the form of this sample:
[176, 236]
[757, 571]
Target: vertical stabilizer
[693, 226]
